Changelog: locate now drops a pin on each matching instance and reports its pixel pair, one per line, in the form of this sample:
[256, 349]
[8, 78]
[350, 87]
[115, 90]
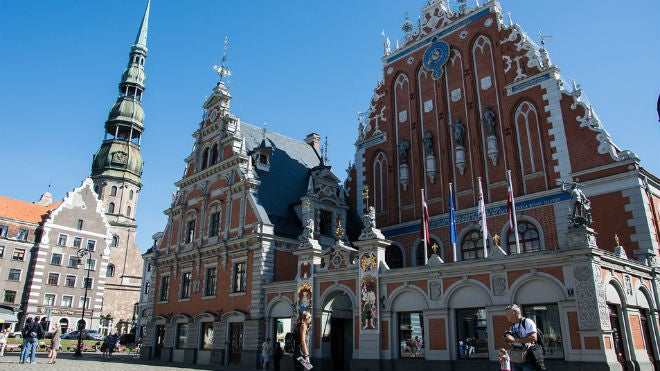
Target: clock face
[435, 57]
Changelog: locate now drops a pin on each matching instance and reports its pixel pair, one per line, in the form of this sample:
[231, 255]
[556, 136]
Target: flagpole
[513, 216]
[482, 220]
[425, 225]
[452, 223]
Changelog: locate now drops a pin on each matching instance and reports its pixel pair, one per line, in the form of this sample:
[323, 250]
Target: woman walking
[55, 343]
[302, 348]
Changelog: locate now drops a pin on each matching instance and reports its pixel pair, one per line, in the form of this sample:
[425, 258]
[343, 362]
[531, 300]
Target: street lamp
[81, 254]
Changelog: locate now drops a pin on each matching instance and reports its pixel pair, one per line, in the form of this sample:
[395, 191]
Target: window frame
[49, 280]
[14, 274]
[164, 289]
[402, 334]
[210, 282]
[66, 280]
[22, 234]
[239, 277]
[5, 296]
[62, 239]
[77, 242]
[185, 289]
[53, 296]
[2, 251]
[3, 230]
[19, 254]
[70, 302]
[91, 245]
[52, 258]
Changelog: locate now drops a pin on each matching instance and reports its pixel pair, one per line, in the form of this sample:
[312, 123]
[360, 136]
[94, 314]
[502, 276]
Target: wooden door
[235, 342]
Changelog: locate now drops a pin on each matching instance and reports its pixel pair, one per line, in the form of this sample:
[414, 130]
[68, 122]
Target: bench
[85, 347]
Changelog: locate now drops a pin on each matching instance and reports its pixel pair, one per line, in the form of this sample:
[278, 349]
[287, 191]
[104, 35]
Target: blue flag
[452, 218]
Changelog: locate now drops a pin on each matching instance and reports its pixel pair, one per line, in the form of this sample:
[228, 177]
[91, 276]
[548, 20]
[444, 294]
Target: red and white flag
[511, 208]
[425, 225]
[482, 219]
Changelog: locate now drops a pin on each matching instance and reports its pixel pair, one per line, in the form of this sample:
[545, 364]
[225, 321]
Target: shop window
[472, 333]
[181, 335]
[207, 336]
[546, 317]
[411, 334]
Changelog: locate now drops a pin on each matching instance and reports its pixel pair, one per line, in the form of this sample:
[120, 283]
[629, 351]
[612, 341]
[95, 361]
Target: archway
[337, 330]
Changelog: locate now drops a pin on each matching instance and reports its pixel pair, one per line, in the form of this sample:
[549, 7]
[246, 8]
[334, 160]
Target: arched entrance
[64, 325]
[337, 330]
[614, 305]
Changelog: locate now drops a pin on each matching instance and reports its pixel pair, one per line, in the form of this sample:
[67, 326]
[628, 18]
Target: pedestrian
[266, 349]
[54, 343]
[31, 333]
[505, 362]
[302, 348]
[3, 342]
[277, 356]
[522, 333]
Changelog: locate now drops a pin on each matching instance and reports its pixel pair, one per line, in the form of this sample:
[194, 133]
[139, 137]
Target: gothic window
[113, 191]
[528, 139]
[528, 236]
[205, 158]
[393, 257]
[128, 211]
[111, 208]
[472, 246]
[380, 182]
[214, 154]
[115, 241]
[190, 231]
[214, 225]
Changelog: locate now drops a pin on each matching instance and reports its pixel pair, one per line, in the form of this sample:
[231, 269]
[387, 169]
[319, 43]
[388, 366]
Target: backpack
[291, 341]
[539, 335]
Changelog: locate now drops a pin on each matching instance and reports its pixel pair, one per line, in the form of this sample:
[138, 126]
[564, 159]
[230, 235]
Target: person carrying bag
[524, 351]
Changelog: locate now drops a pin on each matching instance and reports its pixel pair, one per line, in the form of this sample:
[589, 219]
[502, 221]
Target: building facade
[470, 111]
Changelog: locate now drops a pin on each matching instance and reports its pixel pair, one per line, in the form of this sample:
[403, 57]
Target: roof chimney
[313, 140]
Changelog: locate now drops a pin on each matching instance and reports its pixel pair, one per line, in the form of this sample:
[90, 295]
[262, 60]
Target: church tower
[116, 172]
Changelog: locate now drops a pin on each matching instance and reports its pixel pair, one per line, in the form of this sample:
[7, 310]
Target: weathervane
[222, 70]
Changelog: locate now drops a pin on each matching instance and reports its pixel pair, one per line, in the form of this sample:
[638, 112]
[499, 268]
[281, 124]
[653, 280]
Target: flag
[452, 222]
[425, 225]
[511, 208]
[482, 219]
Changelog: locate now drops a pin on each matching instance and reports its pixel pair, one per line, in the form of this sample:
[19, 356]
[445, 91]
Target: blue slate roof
[285, 182]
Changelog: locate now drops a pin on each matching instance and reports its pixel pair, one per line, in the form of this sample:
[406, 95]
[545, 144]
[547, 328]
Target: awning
[7, 315]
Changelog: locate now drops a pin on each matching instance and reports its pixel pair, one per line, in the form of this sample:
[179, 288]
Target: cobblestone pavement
[92, 361]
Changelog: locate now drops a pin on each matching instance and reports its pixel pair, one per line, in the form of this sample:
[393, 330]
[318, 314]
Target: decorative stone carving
[499, 284]
[435, 290]
[369, 230]
[491, 140]
[590, 297]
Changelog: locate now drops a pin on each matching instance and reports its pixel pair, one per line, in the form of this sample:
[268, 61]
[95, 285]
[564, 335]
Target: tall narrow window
[190, 231]
[240, 277]
[214, 154]
[115, 241]
[80, 224]
[113, 191]
[215, 225]
[164, 288]
[186, 283]
[209, 287]
[205, 158]
[111, 208]
[130, 195]
[128, 211]
[380, 182]
[110, 270]
[325, 223]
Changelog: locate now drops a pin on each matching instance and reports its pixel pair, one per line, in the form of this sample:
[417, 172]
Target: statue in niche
[489, 118]
[428, 143]
[459, 131]
[404, 146]
[580, 206]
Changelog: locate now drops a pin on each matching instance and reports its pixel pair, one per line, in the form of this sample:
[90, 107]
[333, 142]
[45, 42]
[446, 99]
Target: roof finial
[222, 70]
[545, 57]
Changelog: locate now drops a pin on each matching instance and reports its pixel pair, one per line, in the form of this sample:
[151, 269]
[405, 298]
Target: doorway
[235, 342]
[616, 335]
[337, 330]
[160, 339]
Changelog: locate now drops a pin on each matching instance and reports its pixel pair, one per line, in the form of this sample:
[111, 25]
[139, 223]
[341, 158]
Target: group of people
[301, 360]
[466, 348]
[31, 333]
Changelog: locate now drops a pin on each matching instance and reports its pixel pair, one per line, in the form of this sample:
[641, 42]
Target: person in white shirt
[266, 349]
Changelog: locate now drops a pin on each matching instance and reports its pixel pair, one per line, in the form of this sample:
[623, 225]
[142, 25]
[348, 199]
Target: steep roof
[24, 211]
[290, 164]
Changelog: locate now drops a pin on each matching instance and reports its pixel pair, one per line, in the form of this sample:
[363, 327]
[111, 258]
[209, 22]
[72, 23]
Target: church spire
[117, 165]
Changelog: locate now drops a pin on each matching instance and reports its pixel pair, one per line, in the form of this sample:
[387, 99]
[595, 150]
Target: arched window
[111, 208]
[128, 211]
[130, 195]
[113, 191]
[528, 235]
[380, 182]
[110, 270]
[472, 246]
[393, 257]
[115, 241]
[214, 154]
[205, 158]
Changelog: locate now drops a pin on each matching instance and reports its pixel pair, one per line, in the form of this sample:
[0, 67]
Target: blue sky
[299, 66]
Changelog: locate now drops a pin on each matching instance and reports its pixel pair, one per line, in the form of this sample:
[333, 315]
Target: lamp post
[81, 254]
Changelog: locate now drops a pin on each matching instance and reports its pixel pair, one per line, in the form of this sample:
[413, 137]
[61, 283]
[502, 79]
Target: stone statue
[489, 118]
[428, 143]
[459, 131]
[580, 206]
[308, 230]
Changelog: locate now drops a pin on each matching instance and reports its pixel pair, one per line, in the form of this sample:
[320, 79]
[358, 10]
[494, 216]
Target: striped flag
[425, 226]
[511, 208]
[452, 222]
[482, 219]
